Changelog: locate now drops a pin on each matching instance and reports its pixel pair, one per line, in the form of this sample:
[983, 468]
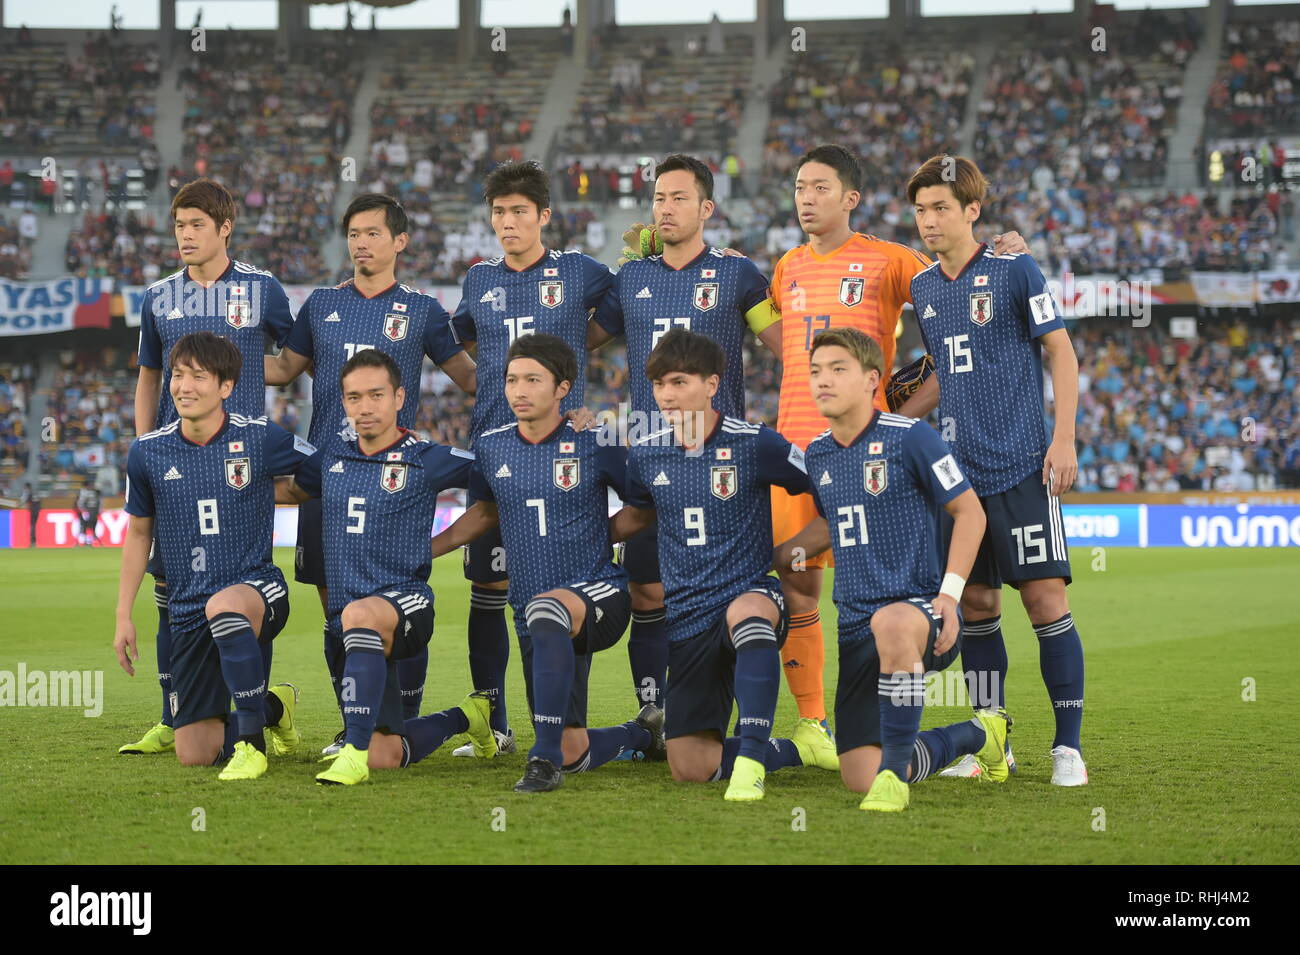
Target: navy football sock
[609, 743]
[758, 681]
[489, 649]
[410, 678]
[934, 749]
[163, 648]
[902, 698]
[267, 650]
[274, 710]
[984, 659]
[366, 667]
[780, 753]
[334, 657]
[228, 744]
[427, 733]
[241, 666]
[1060, 658]
[549, 625]
[647, 654]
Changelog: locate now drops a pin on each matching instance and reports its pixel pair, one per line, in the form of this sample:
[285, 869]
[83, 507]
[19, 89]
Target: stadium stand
[1253, 93]
[16, 380]
[92, 401]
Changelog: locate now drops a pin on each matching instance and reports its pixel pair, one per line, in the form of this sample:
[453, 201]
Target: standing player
[883, 479]
[987, 319]
[378, 490]
[372, 311]
[701, 289]
[211, 293]
[204, 484]
[840, 279]
[88, 513]
[525, 290]
[705, 480]
[547, 485]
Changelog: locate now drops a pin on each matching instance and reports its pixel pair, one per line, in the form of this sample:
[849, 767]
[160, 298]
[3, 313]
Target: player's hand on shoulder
[1009, 243]
[946, 607]
[734, 253]
[345, 283]
[1060, 466]
[582, 419]
[124, 646]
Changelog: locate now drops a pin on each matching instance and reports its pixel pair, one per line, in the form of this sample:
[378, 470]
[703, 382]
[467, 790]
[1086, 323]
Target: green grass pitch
[1183, 769]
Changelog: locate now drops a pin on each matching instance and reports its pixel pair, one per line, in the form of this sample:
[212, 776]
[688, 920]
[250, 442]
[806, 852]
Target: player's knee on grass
[695, 758]
[858, 768]
[385, 751]
[198, 744]
[646, 596]
[979, 602]
[1044, 600]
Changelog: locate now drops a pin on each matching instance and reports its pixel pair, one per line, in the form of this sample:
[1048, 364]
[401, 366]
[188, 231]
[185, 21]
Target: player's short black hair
[682, 350]
[372, 358]
[527, 179]
[841, 159]
[703, 174]
[213, 353]
[553, 354]
[209, 197]
[394, 214]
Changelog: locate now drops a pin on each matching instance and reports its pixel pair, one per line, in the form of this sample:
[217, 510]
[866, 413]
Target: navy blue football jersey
[246, 305]
[552, 500]
[377, 513]
[710, 296]
[555, 295]
[336, 323]
[881, 496]
[714, 511]
[213, 505]
[982, 327]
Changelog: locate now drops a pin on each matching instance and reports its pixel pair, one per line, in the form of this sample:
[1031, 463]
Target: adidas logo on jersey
[487, 297]
[174, 313]
[172, 474]
[337, 468]
[661, 480]
[826, 478]
[644, 293]
[333, 317]
[929, 312]
[503, 471]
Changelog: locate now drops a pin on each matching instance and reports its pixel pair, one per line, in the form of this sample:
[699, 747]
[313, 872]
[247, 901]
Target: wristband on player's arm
[953, 585]
[907, 381]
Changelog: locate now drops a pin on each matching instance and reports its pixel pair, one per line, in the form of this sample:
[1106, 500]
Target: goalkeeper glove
[907, 380]
[640, 242]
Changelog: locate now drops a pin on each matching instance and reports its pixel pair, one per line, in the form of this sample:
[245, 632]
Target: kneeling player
[547, 487]
[883, 479]
[378, 493]
[707, 481]
[208, 479]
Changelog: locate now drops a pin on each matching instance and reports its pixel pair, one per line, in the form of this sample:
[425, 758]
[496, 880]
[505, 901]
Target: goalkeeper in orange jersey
[840, 278]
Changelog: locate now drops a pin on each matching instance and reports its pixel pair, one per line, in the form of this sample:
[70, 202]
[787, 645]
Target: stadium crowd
[1254, 91]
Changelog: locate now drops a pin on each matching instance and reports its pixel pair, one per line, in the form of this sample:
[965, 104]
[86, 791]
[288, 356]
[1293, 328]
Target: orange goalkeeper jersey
[863, 284]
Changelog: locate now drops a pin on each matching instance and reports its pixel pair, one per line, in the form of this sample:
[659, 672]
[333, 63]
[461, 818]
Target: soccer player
[696, 287]
[882, 479]
[211, 293]
[379, 489]
[987, 319]
[841, 278]
[88, 513]
[527, 289]
[705, 479]
[204, 484]
[374, 310]
[547, 485]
